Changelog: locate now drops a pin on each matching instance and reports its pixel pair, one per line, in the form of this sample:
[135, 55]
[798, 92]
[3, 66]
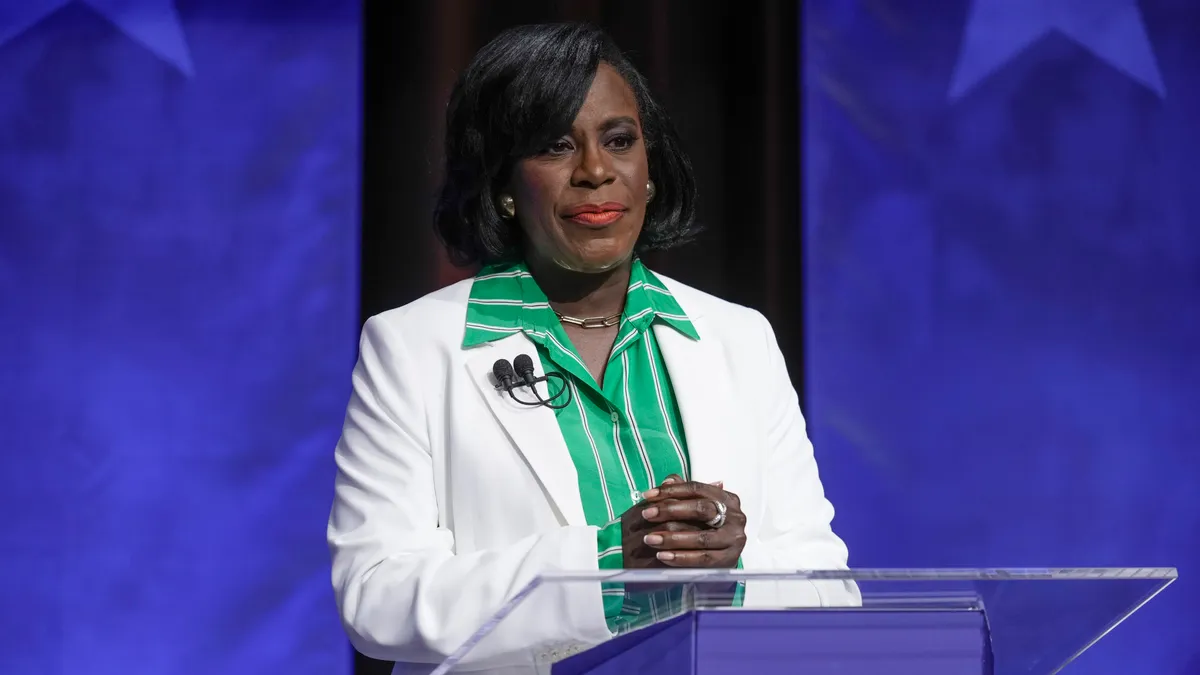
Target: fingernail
[650, 494]
[653, 539]
[719, 483]
[650, 512]
[666, 555]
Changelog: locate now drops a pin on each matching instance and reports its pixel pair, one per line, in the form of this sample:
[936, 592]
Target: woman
[676, 441]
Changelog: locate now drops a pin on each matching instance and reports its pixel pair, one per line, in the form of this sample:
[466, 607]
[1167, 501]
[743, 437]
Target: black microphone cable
[509, 379]
[524, 368]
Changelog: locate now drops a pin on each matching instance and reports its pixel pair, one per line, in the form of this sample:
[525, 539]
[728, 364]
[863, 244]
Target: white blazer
[450, 498]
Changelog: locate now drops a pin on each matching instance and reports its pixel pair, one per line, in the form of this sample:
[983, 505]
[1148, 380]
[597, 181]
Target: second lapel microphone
[519, 373]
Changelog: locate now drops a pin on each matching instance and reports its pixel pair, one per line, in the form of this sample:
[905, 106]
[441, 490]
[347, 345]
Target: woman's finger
[691, 510]
[701, 540]
[705, 559]
[683, 490]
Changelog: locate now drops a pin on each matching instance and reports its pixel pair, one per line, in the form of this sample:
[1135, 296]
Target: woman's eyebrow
[616, 122]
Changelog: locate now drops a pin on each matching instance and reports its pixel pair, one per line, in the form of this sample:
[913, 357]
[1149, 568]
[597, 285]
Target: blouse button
[616, 417]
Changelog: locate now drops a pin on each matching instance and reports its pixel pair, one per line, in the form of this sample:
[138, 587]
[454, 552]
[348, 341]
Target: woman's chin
[594, 264]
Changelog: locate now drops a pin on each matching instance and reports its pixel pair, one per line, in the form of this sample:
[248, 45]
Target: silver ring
[719, 520]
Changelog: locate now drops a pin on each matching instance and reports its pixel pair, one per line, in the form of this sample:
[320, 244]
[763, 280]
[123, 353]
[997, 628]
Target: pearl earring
[649, 191]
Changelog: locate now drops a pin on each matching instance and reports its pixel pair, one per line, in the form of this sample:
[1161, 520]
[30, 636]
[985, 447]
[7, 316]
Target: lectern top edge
[875, 574]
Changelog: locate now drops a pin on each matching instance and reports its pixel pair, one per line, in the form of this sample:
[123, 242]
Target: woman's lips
[596, 218]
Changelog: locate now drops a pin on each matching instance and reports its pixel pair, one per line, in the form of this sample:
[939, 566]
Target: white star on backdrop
[999, 30]
[152, 23]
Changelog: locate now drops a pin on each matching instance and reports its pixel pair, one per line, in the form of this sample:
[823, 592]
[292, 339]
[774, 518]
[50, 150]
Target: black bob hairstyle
[520, 93]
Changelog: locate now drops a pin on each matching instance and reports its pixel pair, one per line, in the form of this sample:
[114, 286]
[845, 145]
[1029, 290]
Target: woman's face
[581, 202]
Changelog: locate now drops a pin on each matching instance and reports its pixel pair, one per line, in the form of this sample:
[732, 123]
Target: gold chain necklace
[591, 322]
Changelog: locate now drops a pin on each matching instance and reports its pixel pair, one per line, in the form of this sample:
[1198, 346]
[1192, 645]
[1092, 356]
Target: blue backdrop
[1003, 274]
[178, 246]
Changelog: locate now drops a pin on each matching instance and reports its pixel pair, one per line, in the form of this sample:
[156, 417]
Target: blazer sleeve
[403, 593]
[795, 532]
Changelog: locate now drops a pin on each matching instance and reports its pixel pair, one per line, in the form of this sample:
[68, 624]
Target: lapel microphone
[524, 367]
[509, 378]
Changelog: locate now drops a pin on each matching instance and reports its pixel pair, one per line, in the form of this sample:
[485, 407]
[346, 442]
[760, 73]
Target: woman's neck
[583, 295]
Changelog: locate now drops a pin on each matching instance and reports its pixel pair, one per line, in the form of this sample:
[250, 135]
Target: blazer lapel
[533, 430]
[702, 387]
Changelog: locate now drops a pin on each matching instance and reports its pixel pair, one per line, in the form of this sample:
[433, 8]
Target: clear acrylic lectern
[927, 622]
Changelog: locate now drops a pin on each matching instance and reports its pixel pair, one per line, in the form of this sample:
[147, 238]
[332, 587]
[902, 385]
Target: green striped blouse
[624, 437]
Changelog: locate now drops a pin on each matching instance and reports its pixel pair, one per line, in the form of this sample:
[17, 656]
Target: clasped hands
[668, 528]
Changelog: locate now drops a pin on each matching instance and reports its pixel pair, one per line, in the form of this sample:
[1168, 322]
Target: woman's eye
[623, 142]
[558, 148]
